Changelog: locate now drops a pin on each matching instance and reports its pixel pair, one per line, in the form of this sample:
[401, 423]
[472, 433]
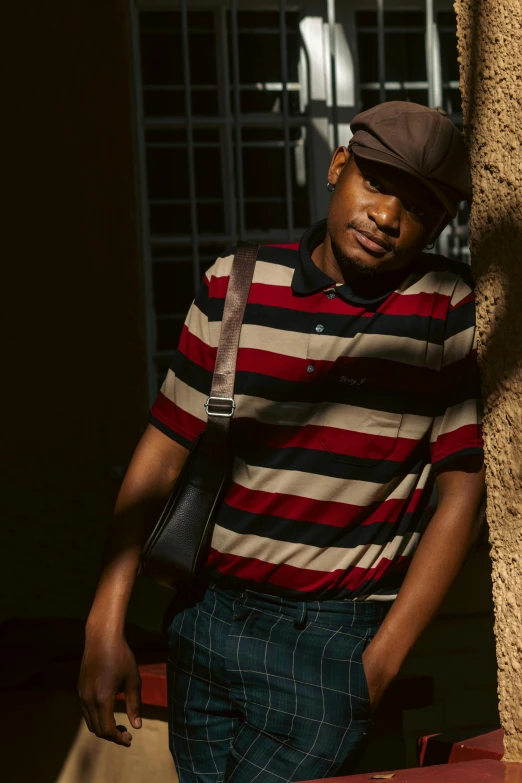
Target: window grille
[238, 112]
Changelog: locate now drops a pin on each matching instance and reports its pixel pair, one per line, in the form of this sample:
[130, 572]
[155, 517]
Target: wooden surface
[484, 771]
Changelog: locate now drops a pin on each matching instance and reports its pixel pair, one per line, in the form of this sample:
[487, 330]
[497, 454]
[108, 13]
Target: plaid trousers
[263, 690]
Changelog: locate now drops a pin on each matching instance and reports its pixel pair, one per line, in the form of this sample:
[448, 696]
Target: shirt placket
[315, 344]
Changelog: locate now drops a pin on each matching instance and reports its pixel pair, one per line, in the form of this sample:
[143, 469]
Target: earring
[329, 187]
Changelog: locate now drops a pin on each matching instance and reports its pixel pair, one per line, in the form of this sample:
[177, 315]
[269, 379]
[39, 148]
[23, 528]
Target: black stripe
[416, 327]
[171, 433]
[460, 319]
[315, 534]
[390, 585]
[202, 299]
[421, 401]
[322, 463]
[474, 452]
[424, 400]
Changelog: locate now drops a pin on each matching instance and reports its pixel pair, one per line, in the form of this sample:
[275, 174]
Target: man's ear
[340, 158]
[437, 231]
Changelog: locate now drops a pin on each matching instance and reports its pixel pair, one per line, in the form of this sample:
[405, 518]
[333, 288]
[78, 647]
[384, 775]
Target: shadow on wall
[496, 215]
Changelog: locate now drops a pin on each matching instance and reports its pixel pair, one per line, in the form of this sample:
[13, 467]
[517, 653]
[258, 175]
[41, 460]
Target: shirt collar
[309, 279]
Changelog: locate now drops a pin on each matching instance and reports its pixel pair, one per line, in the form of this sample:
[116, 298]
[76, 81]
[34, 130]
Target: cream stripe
[268, 274]
[273, 274]
[461, 415]
[278, 341]
[294, 414]
[197, 324]
[458, 346]
[305, 556]
[221, 267]
[185, 397]
[400, 545]
[322, 488]
[329, 348]
[346, 417]
[433, 283]
[462, 290]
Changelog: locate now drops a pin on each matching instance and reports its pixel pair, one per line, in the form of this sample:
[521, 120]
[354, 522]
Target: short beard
[351, 265]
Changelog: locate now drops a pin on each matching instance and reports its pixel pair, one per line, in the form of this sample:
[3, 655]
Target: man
[356, 391]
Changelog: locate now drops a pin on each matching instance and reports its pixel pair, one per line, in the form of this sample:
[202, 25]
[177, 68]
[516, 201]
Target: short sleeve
[457, 429]
[179, 410]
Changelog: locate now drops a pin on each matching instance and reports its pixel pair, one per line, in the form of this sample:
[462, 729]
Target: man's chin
[357, 264]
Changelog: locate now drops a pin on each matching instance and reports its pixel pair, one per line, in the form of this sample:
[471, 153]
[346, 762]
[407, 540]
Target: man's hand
[378, 674]
[437, 561]
[108, 668]
[108, 665]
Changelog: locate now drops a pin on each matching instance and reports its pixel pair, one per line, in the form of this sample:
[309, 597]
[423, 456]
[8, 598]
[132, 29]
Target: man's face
[380, 218]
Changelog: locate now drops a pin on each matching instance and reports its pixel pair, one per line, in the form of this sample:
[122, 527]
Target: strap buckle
[223, 410]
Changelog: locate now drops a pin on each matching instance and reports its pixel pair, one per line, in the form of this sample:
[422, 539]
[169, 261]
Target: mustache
[376, 235]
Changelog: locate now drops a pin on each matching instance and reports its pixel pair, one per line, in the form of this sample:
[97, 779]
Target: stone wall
[75, 372]
[490, 47]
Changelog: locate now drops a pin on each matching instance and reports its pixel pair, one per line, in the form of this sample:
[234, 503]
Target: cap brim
[390, 160]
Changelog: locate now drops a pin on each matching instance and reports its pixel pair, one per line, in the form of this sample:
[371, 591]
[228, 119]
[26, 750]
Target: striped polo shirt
[346, 408]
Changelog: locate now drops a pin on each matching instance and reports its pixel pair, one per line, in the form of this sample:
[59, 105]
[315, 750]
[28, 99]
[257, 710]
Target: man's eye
[373, 183]
[416, 210]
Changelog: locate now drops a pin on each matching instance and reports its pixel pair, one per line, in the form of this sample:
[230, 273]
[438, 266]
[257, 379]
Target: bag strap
[220, 405]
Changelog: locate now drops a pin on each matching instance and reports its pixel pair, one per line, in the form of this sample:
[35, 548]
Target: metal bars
[381, 56]
[143, 206]
[237, 121]
[333, 69]
[190, 143]
[286, 124]
[430, 52]
[228, 127]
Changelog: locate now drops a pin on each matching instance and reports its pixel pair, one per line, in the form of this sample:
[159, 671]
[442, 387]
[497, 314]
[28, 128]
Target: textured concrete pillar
[490, 49]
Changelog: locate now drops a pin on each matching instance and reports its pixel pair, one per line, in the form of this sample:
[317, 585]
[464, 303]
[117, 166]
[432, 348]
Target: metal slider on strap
[225, 406]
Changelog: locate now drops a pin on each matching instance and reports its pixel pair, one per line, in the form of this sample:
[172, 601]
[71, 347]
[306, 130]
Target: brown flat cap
[420, 141]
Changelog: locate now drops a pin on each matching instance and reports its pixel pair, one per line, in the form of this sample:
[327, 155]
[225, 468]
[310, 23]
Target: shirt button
[310, 368]
[319, 328]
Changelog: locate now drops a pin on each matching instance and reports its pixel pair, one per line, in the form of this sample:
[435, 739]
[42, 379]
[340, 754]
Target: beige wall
[490, 45]
[75, 370]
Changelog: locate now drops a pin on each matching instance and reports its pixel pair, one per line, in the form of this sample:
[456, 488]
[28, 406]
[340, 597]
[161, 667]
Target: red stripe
[423, 304]
[467, 437]
[347, 443]
[283, 296]
[323, 512]
[291, 246]
[345, 370]
[355, 577]
[196, 350]
[219, 287]
[339, 441]
[305, 580]
[176, 419]
[277, 365]
[414, 501]
[432, 305]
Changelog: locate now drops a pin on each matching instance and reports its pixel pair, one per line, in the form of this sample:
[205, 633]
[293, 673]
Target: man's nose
[385, 212]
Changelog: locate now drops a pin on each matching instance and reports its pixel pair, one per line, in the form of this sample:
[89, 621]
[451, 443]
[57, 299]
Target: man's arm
[437, 561]
[108, 665]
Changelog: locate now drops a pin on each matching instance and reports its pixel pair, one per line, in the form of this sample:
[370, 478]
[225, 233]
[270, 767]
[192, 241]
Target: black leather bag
[179, 540]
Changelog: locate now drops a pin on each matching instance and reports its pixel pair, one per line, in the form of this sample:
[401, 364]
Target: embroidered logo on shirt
[352, 381]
